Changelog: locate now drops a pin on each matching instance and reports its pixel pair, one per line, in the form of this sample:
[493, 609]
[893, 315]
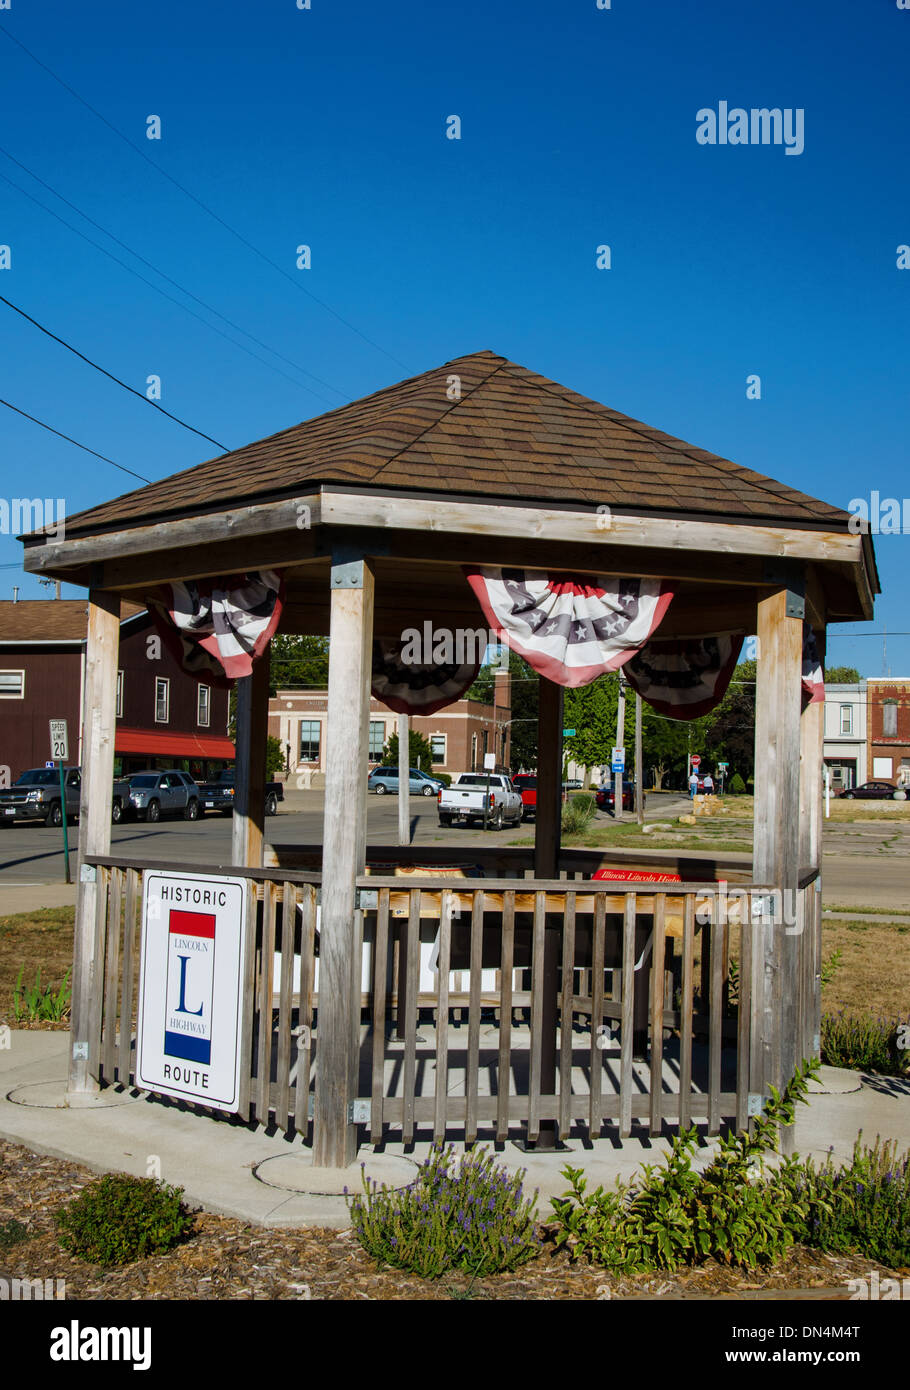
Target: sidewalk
[233, 1169]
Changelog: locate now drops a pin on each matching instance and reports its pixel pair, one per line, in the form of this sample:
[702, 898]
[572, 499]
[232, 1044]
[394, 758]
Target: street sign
[48, 764]
[722, 767]
[619, 767]
[59, 742]
[489, 762]
[619, 756]
[695, 760]
[192, 968]
[569, 733]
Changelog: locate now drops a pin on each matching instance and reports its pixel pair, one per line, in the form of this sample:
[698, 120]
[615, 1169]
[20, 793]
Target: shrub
[577, 813]
[862, 1206]
[41, 1006]
[862, 1043]
[119, 1219]
[737, 786]
[473, 1218]
[678, 1216]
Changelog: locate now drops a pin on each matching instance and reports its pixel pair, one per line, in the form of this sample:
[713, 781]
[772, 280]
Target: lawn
[40, 940]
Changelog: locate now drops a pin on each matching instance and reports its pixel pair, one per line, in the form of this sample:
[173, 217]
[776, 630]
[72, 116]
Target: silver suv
[155, 794]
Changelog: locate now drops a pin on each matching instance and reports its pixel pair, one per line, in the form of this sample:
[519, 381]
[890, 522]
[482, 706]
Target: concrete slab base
[835, 1081]
[295, 1173]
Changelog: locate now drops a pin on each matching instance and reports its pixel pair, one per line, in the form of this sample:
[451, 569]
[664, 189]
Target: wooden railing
[648, 1029]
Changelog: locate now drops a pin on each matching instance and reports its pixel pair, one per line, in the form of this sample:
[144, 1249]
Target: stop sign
[695, 760]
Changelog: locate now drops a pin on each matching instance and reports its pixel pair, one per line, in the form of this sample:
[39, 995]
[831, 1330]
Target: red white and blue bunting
[687, 677]
[813, 673]
[414, 688]
[219, 626]
[571, 629]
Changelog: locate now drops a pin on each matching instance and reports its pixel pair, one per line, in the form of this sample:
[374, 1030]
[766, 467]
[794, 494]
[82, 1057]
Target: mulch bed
[230, 1259]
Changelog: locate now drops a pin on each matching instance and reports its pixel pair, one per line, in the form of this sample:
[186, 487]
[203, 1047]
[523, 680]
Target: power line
[110, 375]
[182, 288]
[137, 149]
[70, 440]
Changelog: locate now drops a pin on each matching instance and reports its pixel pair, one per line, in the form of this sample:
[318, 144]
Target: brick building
[888, 725]
[165, 717]
[459, 735]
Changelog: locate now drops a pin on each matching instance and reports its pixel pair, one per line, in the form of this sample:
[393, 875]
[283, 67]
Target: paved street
[865, 864]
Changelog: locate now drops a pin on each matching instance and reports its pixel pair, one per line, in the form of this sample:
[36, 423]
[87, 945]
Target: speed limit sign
[59, 743]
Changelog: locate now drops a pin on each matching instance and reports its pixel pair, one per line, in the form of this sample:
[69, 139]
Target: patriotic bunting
[685, 678]
[813, 675]
[219, 627]
[413, 688]
[570, 629]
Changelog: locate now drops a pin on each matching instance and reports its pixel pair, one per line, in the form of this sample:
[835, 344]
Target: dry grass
[40, 940]
[874, 969]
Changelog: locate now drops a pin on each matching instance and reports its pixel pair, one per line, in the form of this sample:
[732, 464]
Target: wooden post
[404, 781]
[343, 858]
[96, 791]
[249, 780]
[776, 832]
[811, 760]
[639, 770]
[547, 834]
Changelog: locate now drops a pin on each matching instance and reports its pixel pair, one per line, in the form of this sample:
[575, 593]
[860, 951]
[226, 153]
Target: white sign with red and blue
[191, 987]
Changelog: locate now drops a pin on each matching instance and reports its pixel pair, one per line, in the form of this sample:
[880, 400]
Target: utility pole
[620, 743]
[404, 781]
[639, 777]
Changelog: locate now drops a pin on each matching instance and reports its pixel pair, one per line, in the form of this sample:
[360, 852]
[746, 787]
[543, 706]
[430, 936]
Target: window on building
[309, 740]
[846, 719]
[162, 699]
[12, 685]
[118, 712]
[889, 719]
[438, 745]
[377, 739]
[203, 696]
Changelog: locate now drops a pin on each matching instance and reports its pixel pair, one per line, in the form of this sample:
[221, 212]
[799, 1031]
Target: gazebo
[411, 506]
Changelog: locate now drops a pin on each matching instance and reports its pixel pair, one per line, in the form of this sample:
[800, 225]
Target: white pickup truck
[466, 800]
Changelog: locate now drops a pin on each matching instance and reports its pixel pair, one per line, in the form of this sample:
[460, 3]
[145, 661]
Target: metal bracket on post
[88, 873]
[347, 574]
[367, 899]
[359, 1112]
[755, 1105]
[789, 575]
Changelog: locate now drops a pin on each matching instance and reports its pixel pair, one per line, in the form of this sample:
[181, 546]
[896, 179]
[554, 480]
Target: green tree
[523, 716]
[841, 675]
[730, 732]
[299, 661]
[274, 756]
[418, 748]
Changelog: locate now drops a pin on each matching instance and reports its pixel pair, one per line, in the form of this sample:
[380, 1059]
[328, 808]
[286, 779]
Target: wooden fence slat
[595, 1088]
[685, 1009]
[249, 1006]
[628, 1015]
[112, 973]
[266, 975]
[472, 1073]
[412, 958]
[380, 977]
[565, 1034]
[305, 1007]
[657, 1013]
[442, 1018]
[504, 1071]
[128, 971]
[537, 989]
[285, 1004]
[715, 1041]
[744, 1017]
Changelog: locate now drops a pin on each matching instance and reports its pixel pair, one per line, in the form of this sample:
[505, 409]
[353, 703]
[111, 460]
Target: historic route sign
[59, 742]
[191, 987]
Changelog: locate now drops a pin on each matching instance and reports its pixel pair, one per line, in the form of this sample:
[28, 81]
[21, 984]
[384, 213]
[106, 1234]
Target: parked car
[605, 799]
[573, 785]
[525, 783]
[478, 796]
[154, 794]
[35, 795]
[219, 795]
[384, 781]
[878, 791]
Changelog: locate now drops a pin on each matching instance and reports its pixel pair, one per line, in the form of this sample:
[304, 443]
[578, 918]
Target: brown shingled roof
[51, 620]
[513, 434]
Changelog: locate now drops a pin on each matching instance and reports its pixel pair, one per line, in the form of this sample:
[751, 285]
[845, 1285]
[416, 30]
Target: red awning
[171, 745]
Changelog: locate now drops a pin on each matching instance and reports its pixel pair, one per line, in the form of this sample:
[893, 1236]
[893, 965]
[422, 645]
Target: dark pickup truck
[35, 795]
[219, 795]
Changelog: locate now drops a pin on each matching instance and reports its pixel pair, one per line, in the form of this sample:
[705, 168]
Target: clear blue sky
[327, 127]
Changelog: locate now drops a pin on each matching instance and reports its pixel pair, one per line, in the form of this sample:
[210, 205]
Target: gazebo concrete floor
[231, 1168]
